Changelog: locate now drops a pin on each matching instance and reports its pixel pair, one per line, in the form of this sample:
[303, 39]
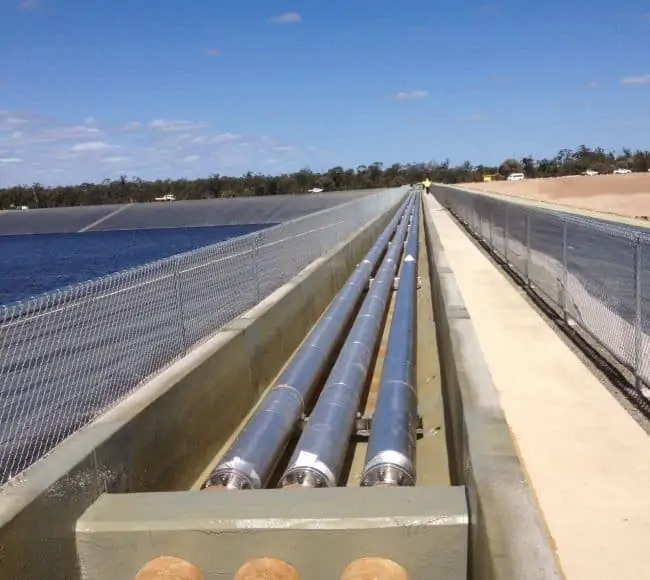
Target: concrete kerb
[319, 531]
[508, 537]
[159, 436]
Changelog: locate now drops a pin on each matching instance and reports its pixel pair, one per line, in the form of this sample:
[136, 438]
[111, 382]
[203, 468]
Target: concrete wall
[161, 437]
[508, 539]
[319, 531]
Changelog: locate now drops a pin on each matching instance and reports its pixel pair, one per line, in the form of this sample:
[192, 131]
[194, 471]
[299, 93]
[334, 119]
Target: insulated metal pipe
[319, 455]
[390, 456]
[251, 459]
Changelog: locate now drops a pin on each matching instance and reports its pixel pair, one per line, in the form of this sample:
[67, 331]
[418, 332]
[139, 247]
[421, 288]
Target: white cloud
[166, 125]
[286, 18]
[409, 95]
[639, 80]
[226, 137]
[213, 52]
[116, 159]
[593, 84]
[69, 133]
[132, 126]
[36, 148]
[218, 139]
[89, 146]
[9, 120]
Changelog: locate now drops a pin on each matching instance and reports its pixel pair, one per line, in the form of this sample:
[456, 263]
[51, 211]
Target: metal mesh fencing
[67, 356]
[596, 273]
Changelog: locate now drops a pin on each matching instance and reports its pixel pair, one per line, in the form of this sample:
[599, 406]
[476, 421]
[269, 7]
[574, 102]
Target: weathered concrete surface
[318, 531]
[432, 451]
[507, 540]
[161, 437]
[579, 449]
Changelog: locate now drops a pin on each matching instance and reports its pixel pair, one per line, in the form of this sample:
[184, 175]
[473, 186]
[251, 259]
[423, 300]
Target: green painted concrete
[319, 531]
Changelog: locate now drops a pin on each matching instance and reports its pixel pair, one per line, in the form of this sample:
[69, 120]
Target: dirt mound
[627, 195]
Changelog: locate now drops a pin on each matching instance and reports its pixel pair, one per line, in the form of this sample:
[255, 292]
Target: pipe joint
[389, 468]
[235, 474]
[307, 477]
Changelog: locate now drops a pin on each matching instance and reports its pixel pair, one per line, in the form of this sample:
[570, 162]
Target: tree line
[136, 190]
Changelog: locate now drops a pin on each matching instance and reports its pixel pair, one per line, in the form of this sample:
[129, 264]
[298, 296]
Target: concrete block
[318, 531]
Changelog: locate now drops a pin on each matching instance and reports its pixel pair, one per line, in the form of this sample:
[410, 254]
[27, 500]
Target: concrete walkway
[587, 460]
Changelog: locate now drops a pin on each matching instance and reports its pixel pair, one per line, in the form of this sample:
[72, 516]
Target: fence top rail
[611, 228]
[34, 303]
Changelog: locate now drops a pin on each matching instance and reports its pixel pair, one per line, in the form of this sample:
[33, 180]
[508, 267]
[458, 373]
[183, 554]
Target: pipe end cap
[267, 569]
[216, 488]
[169, 568]
[374, 568]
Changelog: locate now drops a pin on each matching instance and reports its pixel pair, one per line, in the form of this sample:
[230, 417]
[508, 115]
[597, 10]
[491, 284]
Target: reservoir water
[34, 264]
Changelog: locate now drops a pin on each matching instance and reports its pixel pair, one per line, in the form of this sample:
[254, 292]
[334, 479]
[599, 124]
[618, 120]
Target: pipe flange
[390, 467]
[235, 473]
[305, 477]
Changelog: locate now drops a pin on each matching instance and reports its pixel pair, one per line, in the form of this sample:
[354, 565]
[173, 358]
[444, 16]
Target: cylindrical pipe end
[387, 475]
[169, 568]
[267, 569]
[231, 479]
[305, 477]
[296, 486]
[374, 568]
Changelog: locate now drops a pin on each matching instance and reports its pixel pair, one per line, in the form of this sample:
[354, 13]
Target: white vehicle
[316, 190]
[621, 171]
[590, 172]
[516, 177]
[167, 197]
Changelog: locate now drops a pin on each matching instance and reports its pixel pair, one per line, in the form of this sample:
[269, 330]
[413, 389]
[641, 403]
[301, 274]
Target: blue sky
[91, 89]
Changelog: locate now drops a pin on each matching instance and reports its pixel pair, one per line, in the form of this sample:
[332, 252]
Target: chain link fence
[595, 273]
[67, 356]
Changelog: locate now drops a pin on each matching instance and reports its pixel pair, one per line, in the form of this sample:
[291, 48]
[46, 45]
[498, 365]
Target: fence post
[179, 305]
[256, 269]
[528, 248]
[296, 255]
[638, 335]
[565, 266]
[491, 230]
[506, 236]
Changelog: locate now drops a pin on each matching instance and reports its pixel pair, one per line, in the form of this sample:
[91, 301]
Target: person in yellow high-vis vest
[427, 185]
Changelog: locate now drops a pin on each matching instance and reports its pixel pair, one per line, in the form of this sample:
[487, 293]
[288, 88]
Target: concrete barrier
[508, 539]
[318, 531]
[162, 436]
